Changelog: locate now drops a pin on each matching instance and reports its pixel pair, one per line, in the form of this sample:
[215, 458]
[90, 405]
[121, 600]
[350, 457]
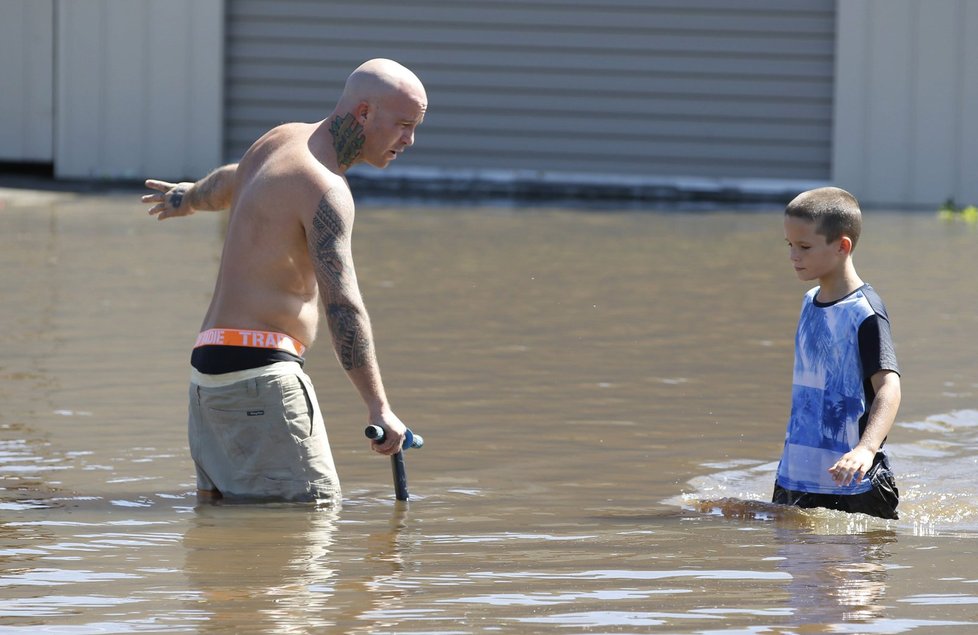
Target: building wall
[906, 116]
[874, 95]
[651, 88]
[27, 80]
[138, 88]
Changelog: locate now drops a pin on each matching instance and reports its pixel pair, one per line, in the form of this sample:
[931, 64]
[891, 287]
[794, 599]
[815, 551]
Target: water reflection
[270, 567]
[253, 566]
[835, 578]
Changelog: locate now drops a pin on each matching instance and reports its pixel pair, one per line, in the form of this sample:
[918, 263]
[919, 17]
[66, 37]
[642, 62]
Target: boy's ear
[845, 244]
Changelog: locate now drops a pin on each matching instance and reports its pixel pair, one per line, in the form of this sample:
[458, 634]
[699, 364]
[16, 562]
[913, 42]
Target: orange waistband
[252, 339]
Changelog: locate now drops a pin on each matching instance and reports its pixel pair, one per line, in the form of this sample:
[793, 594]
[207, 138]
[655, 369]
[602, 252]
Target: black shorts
[880, 501]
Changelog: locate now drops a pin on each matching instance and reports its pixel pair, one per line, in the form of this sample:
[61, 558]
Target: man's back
[266, 279]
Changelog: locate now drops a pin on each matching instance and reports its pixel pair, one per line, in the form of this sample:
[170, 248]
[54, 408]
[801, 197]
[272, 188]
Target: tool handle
[411, 440]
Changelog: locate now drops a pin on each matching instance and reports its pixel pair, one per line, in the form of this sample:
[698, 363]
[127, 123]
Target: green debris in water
[949, 211]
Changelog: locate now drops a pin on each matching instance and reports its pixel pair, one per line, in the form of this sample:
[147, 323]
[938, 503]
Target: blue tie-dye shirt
[838, 347]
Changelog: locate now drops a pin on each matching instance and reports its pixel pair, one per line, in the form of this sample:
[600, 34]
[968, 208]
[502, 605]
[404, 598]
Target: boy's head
[834, 212]
[821, 228]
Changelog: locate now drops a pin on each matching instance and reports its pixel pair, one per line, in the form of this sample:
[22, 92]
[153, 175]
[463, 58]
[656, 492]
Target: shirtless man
[255, 427]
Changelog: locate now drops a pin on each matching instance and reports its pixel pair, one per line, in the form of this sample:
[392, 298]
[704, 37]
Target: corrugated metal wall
[715, 88]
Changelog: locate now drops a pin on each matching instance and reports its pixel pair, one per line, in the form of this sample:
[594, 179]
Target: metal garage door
[657, 88]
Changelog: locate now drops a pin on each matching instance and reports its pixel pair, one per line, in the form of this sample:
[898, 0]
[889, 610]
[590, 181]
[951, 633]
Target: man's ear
[360, 112]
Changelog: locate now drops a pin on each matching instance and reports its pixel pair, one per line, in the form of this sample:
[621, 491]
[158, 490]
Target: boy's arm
[854, 464]
[211, 193]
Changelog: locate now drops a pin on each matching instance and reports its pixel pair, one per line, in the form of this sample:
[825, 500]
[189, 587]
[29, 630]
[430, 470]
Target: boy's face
[810, 254]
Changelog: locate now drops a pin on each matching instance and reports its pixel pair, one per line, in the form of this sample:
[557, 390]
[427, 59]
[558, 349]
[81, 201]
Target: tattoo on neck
[347, 138]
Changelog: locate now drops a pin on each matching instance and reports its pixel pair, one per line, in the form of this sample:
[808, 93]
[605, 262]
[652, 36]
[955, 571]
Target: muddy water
[603, 395]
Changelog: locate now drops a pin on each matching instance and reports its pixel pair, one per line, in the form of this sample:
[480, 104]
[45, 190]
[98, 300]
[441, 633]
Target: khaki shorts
[259, 434]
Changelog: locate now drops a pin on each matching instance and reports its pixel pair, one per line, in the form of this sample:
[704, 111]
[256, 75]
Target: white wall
[26, 80]
[139, 88]
[906, 101]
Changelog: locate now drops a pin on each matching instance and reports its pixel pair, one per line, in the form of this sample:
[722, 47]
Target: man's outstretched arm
[211, 193]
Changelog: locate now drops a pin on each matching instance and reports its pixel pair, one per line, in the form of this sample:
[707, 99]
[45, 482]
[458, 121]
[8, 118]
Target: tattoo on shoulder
[348, 138]
[346, 326]
[328, 229]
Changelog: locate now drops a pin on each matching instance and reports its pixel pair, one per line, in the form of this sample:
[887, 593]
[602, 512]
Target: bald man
[255, 428]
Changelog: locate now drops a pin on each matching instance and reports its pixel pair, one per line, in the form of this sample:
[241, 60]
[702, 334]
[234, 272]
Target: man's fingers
[162, 186]
[386, 448]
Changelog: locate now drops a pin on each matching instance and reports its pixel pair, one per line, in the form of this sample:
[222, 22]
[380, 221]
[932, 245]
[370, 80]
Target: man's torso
[266, 279]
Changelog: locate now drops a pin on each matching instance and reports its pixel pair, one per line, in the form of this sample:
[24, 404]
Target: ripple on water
[935, 476]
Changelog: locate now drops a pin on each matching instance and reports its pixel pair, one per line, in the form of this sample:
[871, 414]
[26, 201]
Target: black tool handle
[411, 440]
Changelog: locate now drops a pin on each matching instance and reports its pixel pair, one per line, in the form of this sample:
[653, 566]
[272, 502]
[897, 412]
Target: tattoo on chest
[347, 138]
[327, 228]
[346, 325]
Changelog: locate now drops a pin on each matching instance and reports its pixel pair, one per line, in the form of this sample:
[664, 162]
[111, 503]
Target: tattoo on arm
[347, 138]
[347, 326]
[214, 191]
[327, 231]
[330, 251]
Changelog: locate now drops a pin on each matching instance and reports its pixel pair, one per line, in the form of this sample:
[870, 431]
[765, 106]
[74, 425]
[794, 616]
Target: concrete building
[655, 97]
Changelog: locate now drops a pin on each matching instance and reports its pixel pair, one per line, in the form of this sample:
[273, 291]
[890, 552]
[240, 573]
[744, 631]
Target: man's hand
[171, 199]
[394, 432]
[852, 466]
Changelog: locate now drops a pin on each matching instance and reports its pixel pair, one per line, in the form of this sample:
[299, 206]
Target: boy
[846, 383]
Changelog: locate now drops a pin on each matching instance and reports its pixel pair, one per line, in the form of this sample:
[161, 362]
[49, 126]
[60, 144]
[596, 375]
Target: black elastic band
[218, 359]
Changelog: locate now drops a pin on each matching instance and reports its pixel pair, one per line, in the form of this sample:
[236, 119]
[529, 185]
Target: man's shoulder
[324, 187]
[309, 180]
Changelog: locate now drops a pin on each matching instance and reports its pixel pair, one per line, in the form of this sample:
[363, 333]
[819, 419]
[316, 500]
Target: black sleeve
[876, 346]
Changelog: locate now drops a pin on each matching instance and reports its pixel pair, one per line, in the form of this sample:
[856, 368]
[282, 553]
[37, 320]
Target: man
[255, 427]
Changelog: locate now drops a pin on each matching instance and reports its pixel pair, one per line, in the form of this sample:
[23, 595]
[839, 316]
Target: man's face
[389, 128]
[811, 255]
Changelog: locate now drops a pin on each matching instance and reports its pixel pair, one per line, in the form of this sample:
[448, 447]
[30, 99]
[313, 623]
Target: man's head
[821, 227]
[381, 106]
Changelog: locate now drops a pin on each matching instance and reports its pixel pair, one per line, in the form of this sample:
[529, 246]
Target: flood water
[603, 395]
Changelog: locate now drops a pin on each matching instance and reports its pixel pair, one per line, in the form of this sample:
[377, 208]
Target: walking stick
[411, 440]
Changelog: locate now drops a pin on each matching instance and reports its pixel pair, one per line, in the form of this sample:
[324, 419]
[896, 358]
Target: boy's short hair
[834, 211]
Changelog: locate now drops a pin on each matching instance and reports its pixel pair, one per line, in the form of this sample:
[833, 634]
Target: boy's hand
[852, 466]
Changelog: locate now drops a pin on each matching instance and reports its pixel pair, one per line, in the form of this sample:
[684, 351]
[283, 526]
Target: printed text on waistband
[249, 338]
